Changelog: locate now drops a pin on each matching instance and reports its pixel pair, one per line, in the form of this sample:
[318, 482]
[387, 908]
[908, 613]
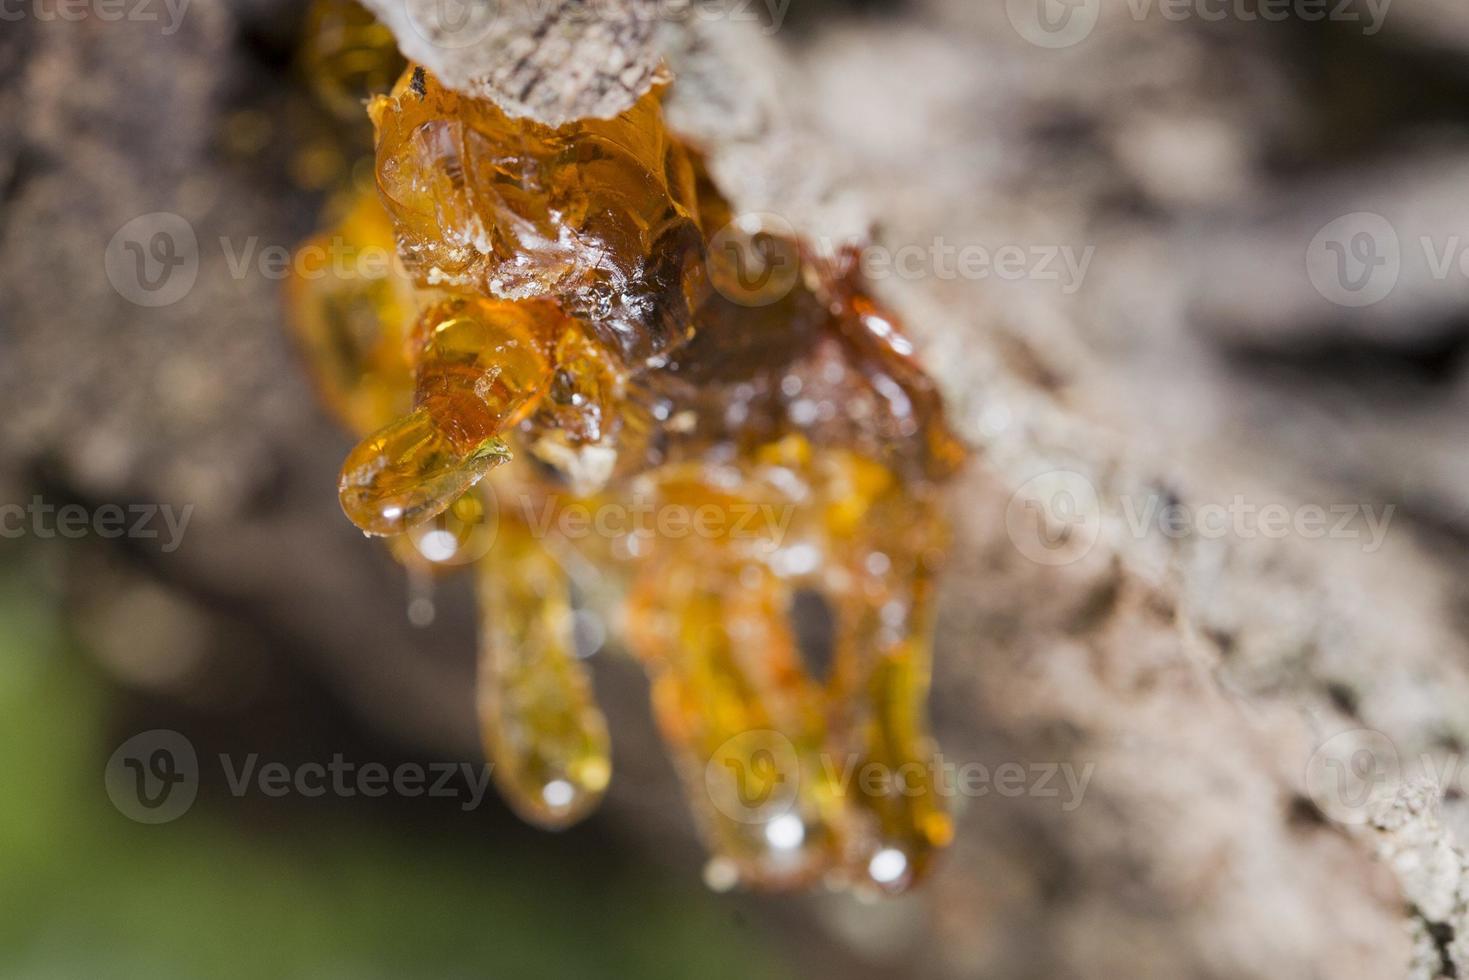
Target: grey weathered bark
[549, 60]
[1196, 675]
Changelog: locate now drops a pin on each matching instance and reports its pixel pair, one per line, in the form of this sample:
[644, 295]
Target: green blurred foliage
[84, 891]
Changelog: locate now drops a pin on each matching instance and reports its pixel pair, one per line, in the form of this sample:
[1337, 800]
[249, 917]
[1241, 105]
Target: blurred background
[1256, 219]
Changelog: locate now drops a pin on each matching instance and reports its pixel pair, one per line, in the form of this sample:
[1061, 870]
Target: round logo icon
[1351, 772]
[754, 260]
[451, 23]
[1355, 260]
[464, 532]
[153, 260]
[153, 777]
[1054, 518]
[1053, 23]
[754, 776]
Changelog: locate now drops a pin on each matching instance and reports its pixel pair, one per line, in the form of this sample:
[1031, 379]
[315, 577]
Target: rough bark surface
[1198, 677]
[552, 61]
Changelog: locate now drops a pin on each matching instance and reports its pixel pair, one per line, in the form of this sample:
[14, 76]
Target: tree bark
[1197, 677]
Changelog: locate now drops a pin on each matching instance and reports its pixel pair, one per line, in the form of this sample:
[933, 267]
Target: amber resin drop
[542, 727]
[479, 366]
[701, 457]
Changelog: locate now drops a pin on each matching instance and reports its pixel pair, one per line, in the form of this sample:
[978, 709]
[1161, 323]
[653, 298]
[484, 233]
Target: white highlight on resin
[721, 874]
[438, 545]
[421, 611]
[798, 559]
[785, 832]
[558, 793]
[887, 865]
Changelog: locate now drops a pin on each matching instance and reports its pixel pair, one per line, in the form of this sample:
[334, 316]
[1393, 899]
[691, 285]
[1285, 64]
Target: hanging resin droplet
[884, 637]
[409, 472]
[353, 328]
[542, 728]
[746, 722]
[480, 364]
